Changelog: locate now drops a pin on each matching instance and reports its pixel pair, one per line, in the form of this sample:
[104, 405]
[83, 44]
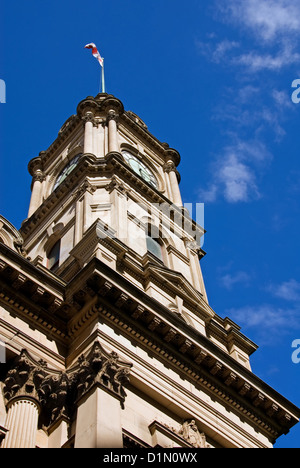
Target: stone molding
[55, 391]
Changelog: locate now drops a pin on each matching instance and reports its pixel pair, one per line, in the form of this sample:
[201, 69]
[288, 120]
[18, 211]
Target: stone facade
[109, 336]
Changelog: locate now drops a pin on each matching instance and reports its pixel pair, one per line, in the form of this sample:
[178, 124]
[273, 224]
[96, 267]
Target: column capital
[169, 167]
[52, 389]
[112, 115]
[88, 105]
[35, 166]
[111, 103]
[35, 169]
[171, 155]
[88, 117]
[39, 176]
[104, 370]
[23, 378]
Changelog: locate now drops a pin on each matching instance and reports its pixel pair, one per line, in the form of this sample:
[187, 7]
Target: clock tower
[110, 339]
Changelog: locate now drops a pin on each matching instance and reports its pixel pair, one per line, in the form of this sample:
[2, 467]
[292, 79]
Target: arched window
[53, 256]
[67, 170]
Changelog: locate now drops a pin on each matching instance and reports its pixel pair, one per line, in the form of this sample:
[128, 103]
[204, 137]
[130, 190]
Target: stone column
[98, 138]
[170, 169]
[22, 423]
[112, 119]
[35, 170]
[88, 132]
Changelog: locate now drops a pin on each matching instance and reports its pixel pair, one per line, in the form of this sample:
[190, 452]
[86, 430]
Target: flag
[95, 52]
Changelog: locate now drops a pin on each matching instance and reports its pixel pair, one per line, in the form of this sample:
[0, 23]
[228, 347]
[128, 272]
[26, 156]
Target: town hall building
[109, 338]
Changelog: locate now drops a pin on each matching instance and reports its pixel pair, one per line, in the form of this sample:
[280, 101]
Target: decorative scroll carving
[116, 184]
[112, 115]
[169, 167]
[19, 247]
[190, 432]
[85, 187]
[88, 117]
[102, 369]
[55, 391]
[24, 378]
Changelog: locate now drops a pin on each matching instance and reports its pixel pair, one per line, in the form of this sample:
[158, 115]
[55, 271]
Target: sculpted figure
[191, 434]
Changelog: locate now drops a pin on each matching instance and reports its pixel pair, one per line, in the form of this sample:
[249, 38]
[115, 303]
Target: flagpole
[103, 82]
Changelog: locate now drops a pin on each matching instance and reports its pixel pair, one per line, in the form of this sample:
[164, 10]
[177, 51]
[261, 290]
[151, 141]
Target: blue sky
[213, 79]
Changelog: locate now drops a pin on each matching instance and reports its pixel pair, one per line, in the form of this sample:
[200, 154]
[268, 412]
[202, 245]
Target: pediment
[179, 285]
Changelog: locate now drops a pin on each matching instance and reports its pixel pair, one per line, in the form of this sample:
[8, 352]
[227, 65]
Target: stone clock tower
[109, 337]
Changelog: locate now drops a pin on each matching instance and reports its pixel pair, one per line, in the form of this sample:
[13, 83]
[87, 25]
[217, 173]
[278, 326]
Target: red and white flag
[95, 52]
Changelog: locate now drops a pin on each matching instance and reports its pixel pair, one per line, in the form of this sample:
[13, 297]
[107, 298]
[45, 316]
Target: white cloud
[269, 321]
[210, 194]
[288, 290]
[237, 179]
[230, 280]
[269, 20]
[233, 172]
[272, 320]
[273, 25]
[216, 52]
[282, 99]
[258, 61]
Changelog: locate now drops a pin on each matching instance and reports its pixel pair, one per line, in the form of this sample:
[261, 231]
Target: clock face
[139, 168]
[66, 171]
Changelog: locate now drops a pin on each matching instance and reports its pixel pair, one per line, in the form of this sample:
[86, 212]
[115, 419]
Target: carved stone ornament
[39, 176]
[55, 391]
[24, 378]
[19, 247]
[112, 115]
[169, 167]
[190, 432]
[85, 187]
[116, 184]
